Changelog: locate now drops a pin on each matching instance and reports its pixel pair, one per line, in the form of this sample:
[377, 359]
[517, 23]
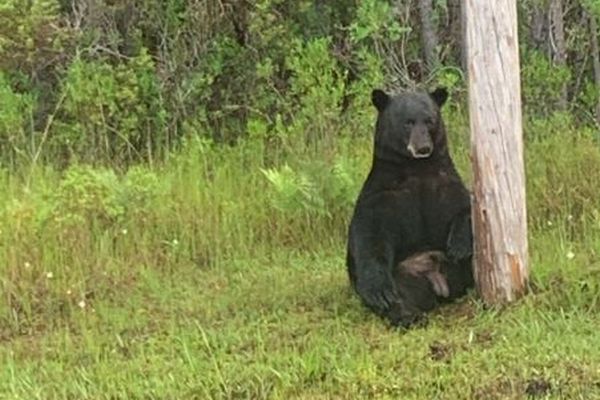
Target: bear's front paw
[377, 292]
[405, 317]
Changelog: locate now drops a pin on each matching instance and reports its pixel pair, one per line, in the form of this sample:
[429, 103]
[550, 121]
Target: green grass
[201, 279]
[285, 325]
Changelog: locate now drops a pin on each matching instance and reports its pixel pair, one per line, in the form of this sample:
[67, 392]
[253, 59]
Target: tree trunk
[596, 59]
[428, 34]
[559, 44]
[539, 27]
[456, 31]
[499, 214]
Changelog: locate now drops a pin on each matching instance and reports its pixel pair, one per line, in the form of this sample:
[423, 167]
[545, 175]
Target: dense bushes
[116, 83]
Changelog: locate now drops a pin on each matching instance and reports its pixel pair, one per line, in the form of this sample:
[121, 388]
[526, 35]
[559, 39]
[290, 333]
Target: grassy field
[220, 274]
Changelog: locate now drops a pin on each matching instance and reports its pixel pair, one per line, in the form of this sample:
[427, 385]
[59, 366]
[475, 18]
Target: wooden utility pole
[499, 214]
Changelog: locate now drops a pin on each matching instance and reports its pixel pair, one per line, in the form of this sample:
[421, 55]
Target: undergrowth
[220, 274]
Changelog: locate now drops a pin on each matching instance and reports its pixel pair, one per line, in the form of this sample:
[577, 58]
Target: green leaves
[85, 195]
[320, 189]
[542, 83]
[293, 192]
[14, 111]
[592, 6]
[31, 36]
[112, 111]
[375, 19]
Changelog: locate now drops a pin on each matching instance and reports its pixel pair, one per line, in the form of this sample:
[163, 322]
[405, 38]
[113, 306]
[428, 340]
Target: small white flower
[49, 275]
[175, 242]
[124, 231]
[81, 304]
[550, 223]
[69, 292]
[570, 255]
[27, 264]
[569, 217]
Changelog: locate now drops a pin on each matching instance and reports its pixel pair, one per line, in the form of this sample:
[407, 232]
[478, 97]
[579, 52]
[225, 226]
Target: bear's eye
[429, 121]
[410, 122]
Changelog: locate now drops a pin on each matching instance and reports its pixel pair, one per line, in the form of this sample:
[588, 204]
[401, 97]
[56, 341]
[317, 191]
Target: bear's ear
[439, 95]
[380, 99]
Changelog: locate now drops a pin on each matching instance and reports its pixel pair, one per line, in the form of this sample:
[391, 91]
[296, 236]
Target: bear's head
[409, 125]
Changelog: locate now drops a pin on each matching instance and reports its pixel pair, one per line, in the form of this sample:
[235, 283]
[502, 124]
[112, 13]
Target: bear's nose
[424, 151]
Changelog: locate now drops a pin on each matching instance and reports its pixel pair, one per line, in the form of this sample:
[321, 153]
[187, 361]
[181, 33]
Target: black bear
[410, 241]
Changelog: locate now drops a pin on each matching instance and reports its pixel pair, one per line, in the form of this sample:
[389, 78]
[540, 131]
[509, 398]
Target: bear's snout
[420, 144]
